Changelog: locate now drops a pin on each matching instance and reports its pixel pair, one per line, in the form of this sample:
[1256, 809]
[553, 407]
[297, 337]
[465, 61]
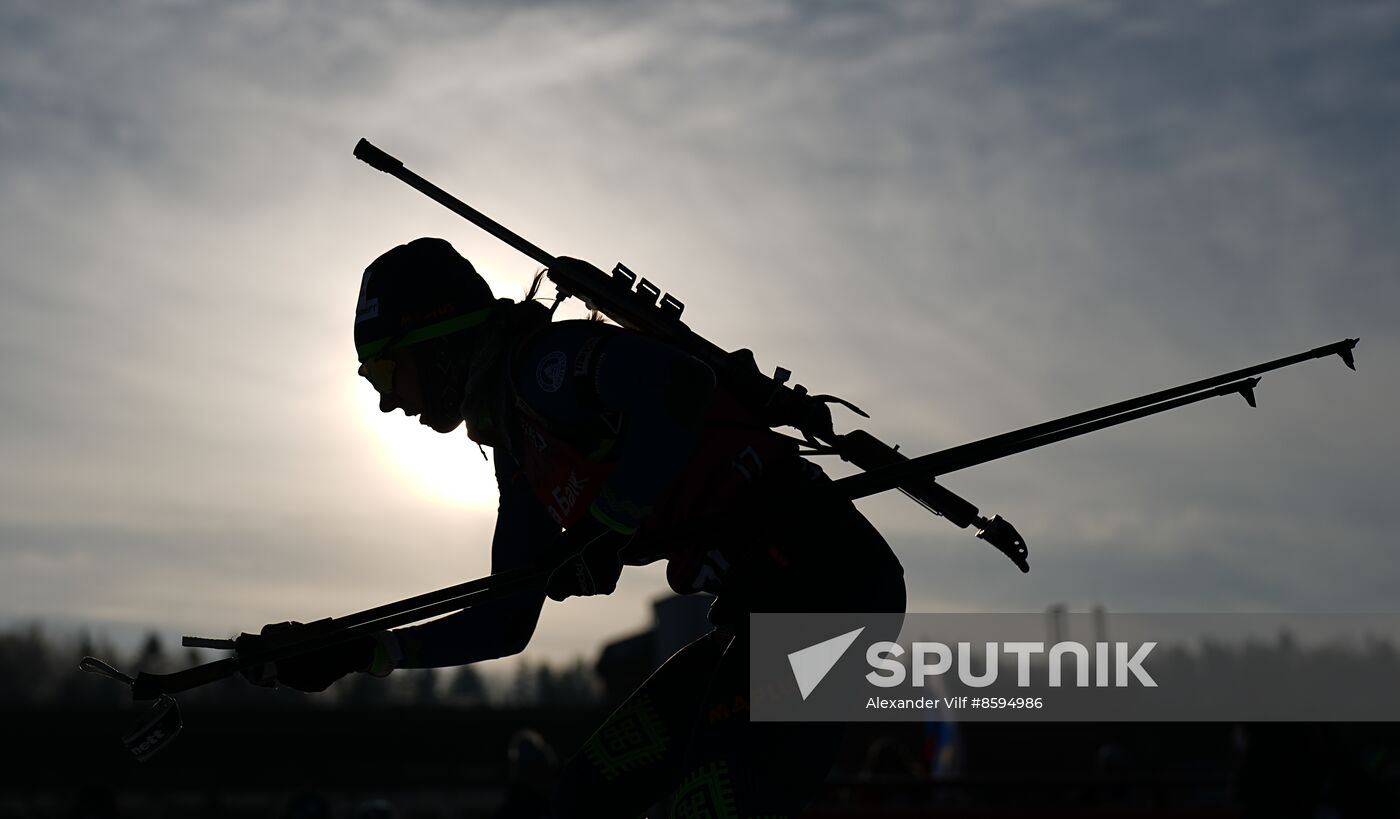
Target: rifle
[641, 305]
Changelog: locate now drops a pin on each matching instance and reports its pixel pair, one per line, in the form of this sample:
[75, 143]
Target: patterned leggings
[685, 737]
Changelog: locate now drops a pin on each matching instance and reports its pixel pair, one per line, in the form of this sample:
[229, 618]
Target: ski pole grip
[375, 158]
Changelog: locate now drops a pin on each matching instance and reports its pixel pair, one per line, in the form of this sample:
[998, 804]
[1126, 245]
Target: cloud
[965, 217]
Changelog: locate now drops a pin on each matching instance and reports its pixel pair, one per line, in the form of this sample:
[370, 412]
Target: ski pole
[1037, 435]
[333, 631]
[1342, 348]
[972, 454]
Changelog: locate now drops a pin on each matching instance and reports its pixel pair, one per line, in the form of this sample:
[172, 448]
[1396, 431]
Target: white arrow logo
[811, 664]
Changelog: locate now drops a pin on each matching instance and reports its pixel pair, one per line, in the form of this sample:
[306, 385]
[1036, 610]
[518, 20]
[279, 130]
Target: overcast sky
[963, 216]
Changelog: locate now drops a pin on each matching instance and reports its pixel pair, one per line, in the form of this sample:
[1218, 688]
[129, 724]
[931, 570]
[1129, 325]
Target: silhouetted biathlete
[614, 449]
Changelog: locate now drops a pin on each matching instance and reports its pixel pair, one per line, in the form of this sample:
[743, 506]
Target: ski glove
[316, 670]
[592, 562]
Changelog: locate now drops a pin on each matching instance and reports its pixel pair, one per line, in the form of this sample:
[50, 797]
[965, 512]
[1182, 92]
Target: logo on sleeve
[549, 373]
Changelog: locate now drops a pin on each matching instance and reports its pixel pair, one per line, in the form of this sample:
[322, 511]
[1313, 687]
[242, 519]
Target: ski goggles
[370, 349]
[379, 372]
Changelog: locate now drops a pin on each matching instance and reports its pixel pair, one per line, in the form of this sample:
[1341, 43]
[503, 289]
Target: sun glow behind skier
[448, 474]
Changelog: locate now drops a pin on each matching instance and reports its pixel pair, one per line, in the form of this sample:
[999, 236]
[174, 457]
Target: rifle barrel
[379, 160]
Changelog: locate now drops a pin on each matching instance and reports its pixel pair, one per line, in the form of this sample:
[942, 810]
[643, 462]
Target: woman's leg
[737, 768]
[632, 761]
[830, 560]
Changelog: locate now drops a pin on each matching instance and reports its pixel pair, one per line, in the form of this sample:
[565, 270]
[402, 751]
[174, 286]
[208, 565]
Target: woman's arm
[501, 627]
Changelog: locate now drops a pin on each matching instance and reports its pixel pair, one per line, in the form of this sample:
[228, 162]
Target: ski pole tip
[375, 158]
[1247, 391]
[1346, 354]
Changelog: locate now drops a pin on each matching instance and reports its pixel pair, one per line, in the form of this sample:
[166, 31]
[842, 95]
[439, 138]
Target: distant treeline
[38, 669]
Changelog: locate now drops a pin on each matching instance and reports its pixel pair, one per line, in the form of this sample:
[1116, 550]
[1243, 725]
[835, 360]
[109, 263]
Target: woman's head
[420, 303]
